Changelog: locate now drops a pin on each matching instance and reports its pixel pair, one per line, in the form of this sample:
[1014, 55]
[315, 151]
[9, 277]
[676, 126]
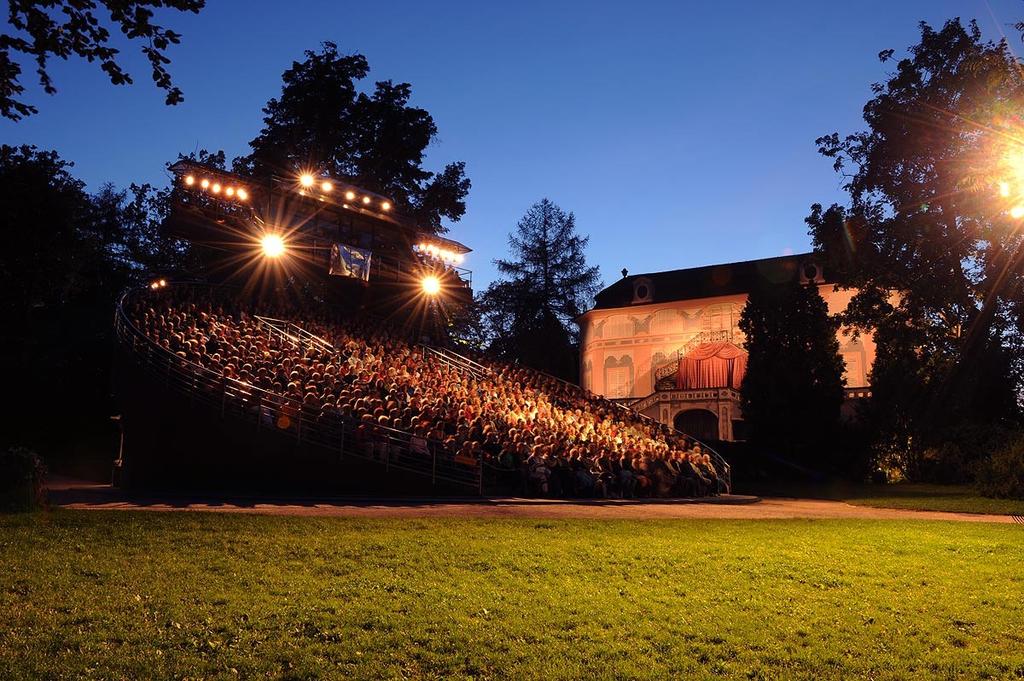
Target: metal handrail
[461, 362]
[380, 263]
[294, 333]
[671, 366]
[283, 415]
[722, 467]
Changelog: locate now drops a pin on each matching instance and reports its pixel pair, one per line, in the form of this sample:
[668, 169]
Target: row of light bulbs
[442, 254]
[215, 188]
[307, 181]
[159, 283]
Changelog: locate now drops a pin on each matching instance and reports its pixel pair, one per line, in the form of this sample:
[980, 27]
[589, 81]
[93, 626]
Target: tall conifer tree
[793, 388]
[531, 312]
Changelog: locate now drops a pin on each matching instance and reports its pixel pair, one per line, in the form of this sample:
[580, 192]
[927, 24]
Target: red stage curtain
[712, 365]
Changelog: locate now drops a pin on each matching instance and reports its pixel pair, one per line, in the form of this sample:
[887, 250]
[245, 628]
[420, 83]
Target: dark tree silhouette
[932, 247]
[66, 258]
[63, 29]
[48, 259]
[127, 222]
[377, 140]
[793, 388]
[531, 312]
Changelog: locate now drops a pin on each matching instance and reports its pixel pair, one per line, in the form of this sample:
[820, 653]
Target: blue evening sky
[680, 133]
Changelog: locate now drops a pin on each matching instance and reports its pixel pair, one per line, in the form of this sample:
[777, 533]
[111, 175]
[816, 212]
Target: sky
[679, 133]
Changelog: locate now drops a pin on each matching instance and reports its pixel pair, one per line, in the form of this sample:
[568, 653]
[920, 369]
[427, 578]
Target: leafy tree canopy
[72, 28]
[66, 257]
[531, 312]
[932, 237]
[47, 256]
[322, 121]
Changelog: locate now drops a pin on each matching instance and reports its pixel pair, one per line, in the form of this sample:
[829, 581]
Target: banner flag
[349, 261]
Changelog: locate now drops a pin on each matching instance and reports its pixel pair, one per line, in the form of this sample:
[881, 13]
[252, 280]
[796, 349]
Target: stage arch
[700, 423]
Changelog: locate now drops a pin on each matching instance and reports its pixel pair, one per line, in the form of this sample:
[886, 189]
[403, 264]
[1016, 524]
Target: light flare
[272, 245]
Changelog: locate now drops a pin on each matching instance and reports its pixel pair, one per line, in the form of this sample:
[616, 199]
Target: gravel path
[78, 495]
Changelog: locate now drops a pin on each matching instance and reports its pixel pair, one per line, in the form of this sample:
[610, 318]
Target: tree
[62, 28]
[67, 256]
[793, 388]
[931, 238]
[322, 121]
[53, 276]
[531, 312]
[47, 259]
[128, 222]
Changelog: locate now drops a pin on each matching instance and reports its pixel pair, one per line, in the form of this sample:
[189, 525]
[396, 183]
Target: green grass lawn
[176, 595]
[909, 495]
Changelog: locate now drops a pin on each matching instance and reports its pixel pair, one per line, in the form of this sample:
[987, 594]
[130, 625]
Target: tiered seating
[401, 403]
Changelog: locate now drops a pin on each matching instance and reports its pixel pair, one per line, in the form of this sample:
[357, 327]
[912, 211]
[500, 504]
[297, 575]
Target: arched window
[856, 369]
[588, 375]
[720, 317]
[618, 326]
[665, 322]
[618, 376]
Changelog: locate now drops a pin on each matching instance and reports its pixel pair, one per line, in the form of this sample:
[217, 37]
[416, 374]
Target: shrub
[1001, 475]
[945, 464]
[21, 479]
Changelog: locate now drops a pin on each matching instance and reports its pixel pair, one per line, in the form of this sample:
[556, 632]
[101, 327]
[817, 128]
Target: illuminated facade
[642, 325]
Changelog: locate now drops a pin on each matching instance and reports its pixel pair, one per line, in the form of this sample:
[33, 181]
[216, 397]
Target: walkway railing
[722, 466]
[287, 331]
[455, 360]
[671, 366]
[284, 417]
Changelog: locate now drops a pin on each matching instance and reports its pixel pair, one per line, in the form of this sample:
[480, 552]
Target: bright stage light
[215, 188]
[350, 195]
[1017, 212]
[431, 285]
[326, 187]
[1004, 189]
[273, 245]
[162, 282]
[242, 195]
[306, 180]
[189, 180]
[385, 205]
[230, 191]
[366, 200]
[205, 183]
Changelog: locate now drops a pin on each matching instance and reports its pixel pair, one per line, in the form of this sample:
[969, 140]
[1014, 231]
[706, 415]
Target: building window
[618, 376]
[723, 317]
[854, 357]
[619, 326]
[666, 322]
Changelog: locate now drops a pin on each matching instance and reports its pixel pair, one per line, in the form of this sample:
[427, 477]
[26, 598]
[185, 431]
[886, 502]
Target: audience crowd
[548, 437]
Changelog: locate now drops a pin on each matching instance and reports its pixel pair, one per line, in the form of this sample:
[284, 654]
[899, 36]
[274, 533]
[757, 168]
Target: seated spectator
[367, 381]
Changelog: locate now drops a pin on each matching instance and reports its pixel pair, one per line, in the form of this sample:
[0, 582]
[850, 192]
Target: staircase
[700, 338]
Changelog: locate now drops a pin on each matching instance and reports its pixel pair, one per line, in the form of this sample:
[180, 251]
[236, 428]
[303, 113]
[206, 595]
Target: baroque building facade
[643, 326]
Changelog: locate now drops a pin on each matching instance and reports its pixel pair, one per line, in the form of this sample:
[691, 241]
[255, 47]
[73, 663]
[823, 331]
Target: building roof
[708, 281]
